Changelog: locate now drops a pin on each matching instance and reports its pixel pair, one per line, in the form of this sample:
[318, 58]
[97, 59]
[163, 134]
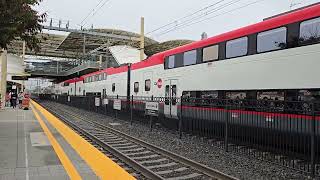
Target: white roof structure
[15, 67]
[125, 54]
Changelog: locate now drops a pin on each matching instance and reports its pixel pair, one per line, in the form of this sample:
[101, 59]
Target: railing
[276, 130]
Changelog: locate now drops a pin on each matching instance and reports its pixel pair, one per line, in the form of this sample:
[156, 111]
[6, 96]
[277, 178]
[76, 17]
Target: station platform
[33, 146]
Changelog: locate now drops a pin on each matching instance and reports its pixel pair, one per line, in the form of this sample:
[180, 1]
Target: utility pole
[142, 40]
[3, 86]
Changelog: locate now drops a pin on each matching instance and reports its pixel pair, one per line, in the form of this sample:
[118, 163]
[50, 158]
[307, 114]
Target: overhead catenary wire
[199, 21]
[90, 12]
[191, 14]
[223, 6]
[93, 12]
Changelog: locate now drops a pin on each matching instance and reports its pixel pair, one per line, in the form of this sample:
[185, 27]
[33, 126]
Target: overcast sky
[125, 14]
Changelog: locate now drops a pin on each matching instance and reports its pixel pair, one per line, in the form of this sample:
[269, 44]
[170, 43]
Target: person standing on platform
[14, 99]
[20, 98]
[8, 98]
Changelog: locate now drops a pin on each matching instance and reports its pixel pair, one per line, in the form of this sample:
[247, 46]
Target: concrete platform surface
[27, 154]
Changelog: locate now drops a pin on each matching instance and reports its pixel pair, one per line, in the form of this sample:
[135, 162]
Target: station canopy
[73, 48]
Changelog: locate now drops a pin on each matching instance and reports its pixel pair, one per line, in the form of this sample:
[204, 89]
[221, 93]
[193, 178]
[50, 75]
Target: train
[261, 82]
[276, 59]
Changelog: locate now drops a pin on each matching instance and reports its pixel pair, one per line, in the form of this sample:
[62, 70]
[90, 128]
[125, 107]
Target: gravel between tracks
[197, 149]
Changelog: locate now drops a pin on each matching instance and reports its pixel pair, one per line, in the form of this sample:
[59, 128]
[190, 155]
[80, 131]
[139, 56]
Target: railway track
[141, 159]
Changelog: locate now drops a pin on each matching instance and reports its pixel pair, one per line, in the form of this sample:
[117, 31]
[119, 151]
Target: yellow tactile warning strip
[104, 167]
[65, 161]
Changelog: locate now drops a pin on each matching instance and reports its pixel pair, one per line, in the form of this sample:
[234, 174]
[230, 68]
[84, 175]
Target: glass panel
[271, 95]
[209, 94]
[171, 62]
[236, 95]
[136, 87]
[113, 87]
[167, 95]
[272, 40]
[310, 30]
[174, 94]
[190, 57]
[237, 47]
[210, 53]
[309, 95]
[147, 85]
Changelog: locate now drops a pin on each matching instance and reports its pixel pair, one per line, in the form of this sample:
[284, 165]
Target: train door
[170, 104]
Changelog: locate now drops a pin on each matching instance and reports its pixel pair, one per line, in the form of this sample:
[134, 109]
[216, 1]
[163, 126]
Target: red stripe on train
[267, 114]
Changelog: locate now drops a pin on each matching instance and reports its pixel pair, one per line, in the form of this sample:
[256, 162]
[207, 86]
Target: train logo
[159, 83]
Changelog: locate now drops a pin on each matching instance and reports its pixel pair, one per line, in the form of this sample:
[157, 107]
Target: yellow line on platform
[103, 166]
[65, 161]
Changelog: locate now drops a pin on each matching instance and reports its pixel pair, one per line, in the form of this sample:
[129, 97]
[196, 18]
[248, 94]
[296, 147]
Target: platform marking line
[103, 166]
[26, 147]
[26, 150]
[65, 161]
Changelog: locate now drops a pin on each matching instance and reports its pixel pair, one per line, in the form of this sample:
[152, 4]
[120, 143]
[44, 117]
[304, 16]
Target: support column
[142, 40]
[100, 62]
[23, 58]
[3, 86]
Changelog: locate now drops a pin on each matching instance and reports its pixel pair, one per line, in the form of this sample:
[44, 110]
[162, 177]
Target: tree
[19, 21]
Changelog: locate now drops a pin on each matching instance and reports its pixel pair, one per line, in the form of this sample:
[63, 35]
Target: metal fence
[285, 132]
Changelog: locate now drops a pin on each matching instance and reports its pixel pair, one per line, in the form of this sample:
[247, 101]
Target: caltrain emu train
[276, 59]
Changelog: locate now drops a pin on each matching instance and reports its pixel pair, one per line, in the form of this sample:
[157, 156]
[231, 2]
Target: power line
[204, 14]
[93, 12]
[191, 14]
[223, 13]
[184, 23]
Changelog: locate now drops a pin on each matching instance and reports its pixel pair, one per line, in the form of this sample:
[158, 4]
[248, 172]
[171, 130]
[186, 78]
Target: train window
[79, 89]
[104, 93]
[210, 53]
[167, 95]
[270, 95]
[136, 87]
[310, 31]
[113, 87]
[100, 77]
[71, 90]
[174, 94]
[171, 62]
[236, 95]
[309, 95]
[147, 85]
[237, 47]
[209, 94]
[272, 40]
[190, 57]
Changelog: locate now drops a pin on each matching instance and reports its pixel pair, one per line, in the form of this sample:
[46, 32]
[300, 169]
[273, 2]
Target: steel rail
[213, 173]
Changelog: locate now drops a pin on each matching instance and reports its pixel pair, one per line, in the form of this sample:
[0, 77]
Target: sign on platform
[68, 98]
[117, 104]
[105, 101]
[152, 108]
[97, 101]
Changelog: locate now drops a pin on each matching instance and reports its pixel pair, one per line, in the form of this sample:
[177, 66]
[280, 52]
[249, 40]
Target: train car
[71, 87]
[275, 60]
[111, 82]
